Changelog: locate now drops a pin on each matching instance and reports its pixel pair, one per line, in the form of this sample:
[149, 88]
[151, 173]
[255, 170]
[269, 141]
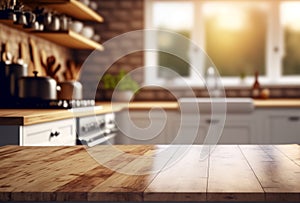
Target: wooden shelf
[69, 39]
[11, 24]
[72, 8]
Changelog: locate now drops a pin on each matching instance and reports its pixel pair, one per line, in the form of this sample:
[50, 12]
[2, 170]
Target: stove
[96, 130]
[45, 104]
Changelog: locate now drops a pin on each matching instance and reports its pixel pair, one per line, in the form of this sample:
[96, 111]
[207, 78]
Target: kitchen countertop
[35, 116]
[277, 103]
[230, 173]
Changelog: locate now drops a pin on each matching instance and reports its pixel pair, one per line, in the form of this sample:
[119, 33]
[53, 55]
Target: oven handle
[98, 141]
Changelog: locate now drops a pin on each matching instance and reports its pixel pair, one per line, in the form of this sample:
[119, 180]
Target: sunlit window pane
[290, 20]
[177, 17]
[235, 37]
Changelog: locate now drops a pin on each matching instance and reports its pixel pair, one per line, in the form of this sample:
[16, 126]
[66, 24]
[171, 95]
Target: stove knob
[106, 132]
[102, 124]
[92, 126]
[111, 122]
[84, 129]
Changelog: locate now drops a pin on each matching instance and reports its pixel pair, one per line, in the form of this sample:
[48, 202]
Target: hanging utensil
[6, 56]
[56, 70]
[2, 52]
[51, 68]
[50, 63]
[73, 70]
[67, 75]
[31, 66]
[43, 59]
[36, 58]
[21, 53]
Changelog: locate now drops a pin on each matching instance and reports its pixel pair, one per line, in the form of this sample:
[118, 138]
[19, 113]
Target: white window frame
[275, 39]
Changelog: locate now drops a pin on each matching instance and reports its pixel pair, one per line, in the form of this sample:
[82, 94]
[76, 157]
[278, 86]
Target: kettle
[35, 87]
[70, 90]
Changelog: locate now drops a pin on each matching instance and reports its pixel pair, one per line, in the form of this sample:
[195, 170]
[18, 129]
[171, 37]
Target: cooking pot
[37, 87]
[69, 90]
[3, 84]
[13, 72]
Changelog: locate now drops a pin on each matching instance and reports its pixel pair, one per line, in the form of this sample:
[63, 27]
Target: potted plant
[123, 86]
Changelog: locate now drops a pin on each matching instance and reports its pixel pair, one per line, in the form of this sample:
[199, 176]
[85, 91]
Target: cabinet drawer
[236, 129]
[58, 133]
[190, 135]
[236, 135]
[284, 129]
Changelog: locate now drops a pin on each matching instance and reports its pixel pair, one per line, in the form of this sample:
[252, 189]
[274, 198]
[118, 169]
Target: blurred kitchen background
[240, 37]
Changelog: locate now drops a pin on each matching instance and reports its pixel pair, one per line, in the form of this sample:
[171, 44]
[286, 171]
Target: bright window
[239, 37]
[290, 19]
[235, 37]
[176, 17]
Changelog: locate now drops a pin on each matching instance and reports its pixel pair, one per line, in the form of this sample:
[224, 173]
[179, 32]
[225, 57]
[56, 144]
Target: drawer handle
[212, 121]
[294, 118]
[54, 134]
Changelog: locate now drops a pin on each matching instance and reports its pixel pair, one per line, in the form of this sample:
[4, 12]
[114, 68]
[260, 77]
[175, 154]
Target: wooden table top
[35, 116]
[157, 173]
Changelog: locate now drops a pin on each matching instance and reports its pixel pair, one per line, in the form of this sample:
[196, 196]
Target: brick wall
[120, 16]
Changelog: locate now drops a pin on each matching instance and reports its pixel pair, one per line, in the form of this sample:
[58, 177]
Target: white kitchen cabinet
[237, 129]
[143, 127]
[171, 127]
[279, 126]
[57, 133]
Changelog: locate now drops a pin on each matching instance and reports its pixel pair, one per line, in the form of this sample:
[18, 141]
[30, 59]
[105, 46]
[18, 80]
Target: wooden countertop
[258, 103]
[35, 116]
[277, 103]
[230, 173]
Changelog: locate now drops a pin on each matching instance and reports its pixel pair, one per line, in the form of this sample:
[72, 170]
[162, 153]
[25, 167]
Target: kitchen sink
[216, 105]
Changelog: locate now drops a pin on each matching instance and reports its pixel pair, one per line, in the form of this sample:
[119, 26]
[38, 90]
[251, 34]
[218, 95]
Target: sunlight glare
[228, 17]
[291, 15]
[173, 15]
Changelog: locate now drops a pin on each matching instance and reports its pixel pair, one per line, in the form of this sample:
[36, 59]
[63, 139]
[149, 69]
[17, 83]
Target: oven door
[104, 138]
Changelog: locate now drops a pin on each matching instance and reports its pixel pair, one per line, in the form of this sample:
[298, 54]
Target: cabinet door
[190, 134]
[237, 129]
[140, 128]
[279, 125]
[285, 129]
[58, 133]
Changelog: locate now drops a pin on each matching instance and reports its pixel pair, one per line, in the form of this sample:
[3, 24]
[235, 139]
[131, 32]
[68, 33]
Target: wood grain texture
[72, 8]
[150, 173]
[230, 176]
[70, 39]
[36, 116]
[277, 174]
[277, 103]
[183, 179]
